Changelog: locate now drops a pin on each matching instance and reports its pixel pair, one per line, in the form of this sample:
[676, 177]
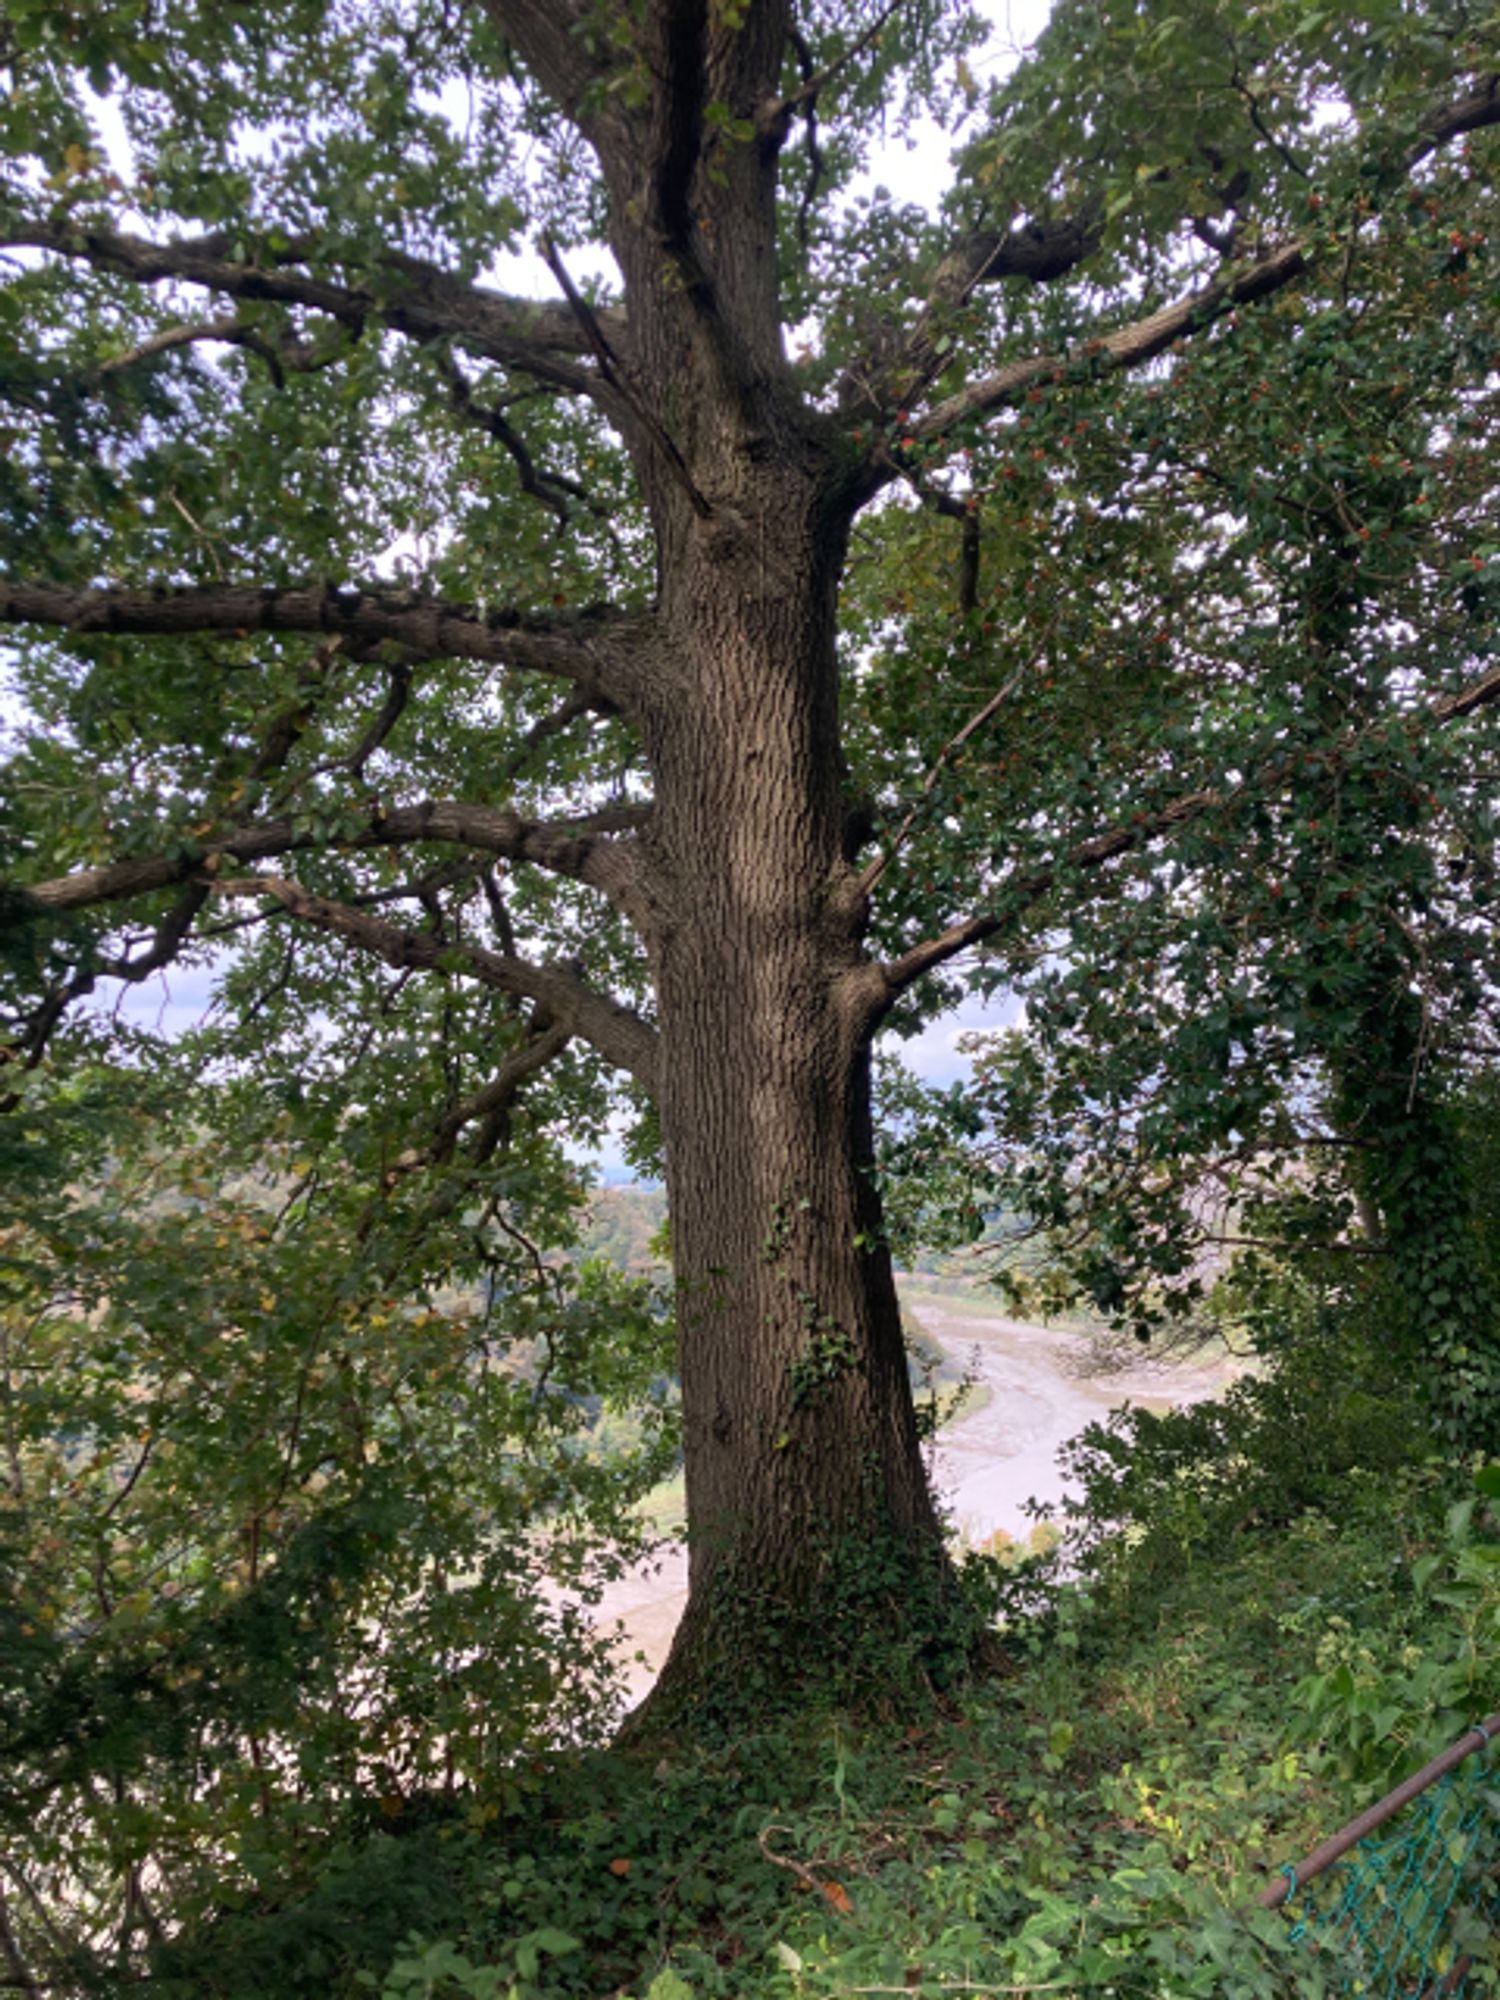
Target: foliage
[526, 716]
[275, 1534]
[1277, 1015]
[1173, 1728]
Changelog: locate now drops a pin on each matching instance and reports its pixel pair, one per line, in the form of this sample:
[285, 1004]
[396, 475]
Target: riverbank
[996, 1459]
[1032, 1392]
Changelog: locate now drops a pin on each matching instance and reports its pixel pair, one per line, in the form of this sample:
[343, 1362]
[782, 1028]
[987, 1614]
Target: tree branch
[619, 1034]
[170, 936]
[1452, 121]
[407, 294]
[550, 37]
[1089, 854]
[553, 724]
[21, 1980]
[1042, 251]
[555, 492]
[282, 357]
[627, 395]
[900, 973]
[774, 117]
[1128, 347]
[776, 135]
[1478, 694]
[950, 749]
[167, 941]
[588, 850]
[589, 646]
[492, 1101]
[397, 693]
[422, 888]
[1038, 251]
[286, 726]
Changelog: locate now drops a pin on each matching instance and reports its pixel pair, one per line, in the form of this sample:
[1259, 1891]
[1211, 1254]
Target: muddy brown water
[988, 1463]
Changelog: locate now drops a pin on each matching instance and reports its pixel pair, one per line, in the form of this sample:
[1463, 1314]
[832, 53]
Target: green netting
[1415, 1909]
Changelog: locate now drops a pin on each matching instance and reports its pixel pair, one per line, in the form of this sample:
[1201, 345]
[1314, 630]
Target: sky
[177, 999]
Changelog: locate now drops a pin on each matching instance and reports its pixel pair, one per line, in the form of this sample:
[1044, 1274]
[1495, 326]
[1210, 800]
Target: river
[989, 1461]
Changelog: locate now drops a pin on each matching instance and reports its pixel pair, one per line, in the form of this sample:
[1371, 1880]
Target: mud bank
[987, 1465]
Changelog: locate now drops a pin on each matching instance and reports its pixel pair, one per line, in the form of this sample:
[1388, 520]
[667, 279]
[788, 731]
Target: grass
[1089, 1826]
[964, 1400]
[976, 1300]
[664, 1508]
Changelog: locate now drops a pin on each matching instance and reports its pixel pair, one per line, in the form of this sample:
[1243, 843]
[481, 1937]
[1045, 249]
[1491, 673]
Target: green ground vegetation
[1250, 1647]
[1259, 1613]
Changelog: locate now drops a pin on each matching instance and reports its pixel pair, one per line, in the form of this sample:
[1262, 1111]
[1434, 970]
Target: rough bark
[596, 850]
[801, 1441]
[801, 1444]
[586, 647]
[406, 294]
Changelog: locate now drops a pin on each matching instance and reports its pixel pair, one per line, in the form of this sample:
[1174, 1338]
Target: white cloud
[170, 1003]
[934, 1055]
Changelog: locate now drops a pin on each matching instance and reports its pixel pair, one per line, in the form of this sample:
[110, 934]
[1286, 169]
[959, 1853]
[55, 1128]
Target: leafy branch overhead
[549, 601]
[364, 285]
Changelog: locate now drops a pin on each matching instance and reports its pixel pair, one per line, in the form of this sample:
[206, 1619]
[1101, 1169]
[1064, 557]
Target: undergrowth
[1207, 1694]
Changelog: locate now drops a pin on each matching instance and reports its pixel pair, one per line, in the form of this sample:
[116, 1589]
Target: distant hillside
[625, 1220]
[623, 1225]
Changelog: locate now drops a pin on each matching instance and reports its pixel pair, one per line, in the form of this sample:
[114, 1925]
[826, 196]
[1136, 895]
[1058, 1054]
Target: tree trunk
[815, 1549]
[807, 1494]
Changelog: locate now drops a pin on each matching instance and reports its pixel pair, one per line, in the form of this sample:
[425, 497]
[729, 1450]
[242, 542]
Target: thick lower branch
[407, 294]
[589, 647]
[596, 851]
[619, 1034]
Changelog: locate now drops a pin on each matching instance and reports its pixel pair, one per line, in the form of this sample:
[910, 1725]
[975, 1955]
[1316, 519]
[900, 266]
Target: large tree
[695, 662]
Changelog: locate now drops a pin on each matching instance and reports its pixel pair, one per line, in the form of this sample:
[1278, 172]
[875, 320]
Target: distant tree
[663, 685]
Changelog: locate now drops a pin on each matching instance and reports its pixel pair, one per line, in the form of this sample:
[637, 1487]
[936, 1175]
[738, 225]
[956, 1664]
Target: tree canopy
[622, 685]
